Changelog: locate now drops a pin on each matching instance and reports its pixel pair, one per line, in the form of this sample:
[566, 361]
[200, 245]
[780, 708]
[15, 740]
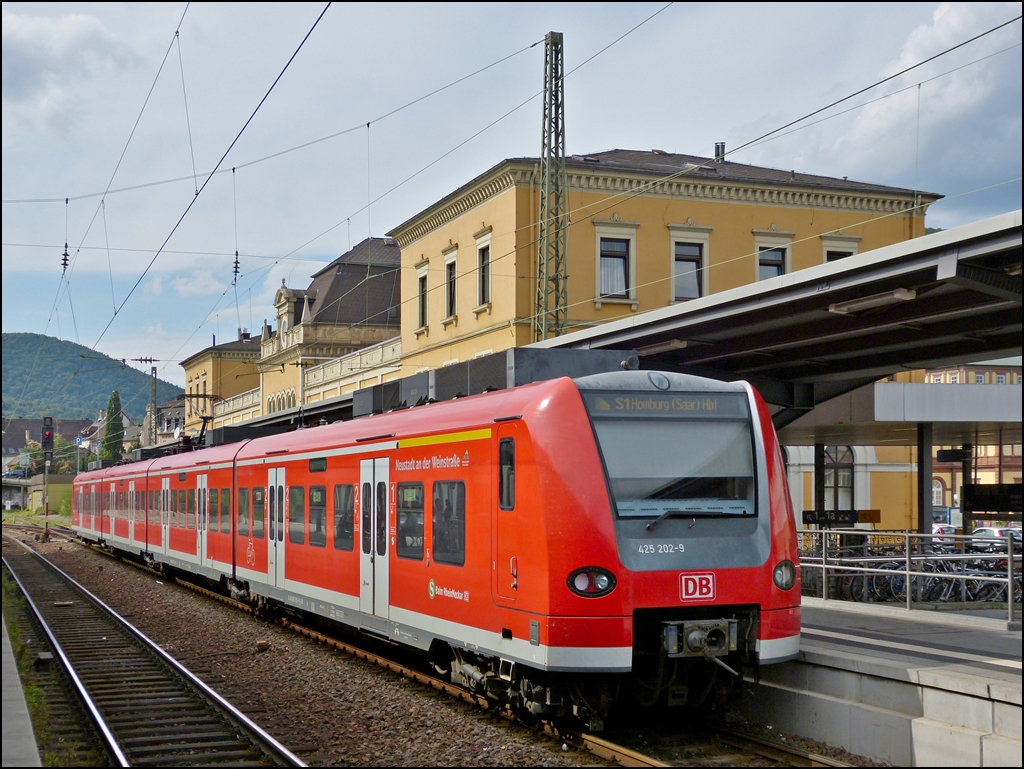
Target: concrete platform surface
[917, 689]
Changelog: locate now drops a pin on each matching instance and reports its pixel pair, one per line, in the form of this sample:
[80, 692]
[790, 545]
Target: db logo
[697, 587]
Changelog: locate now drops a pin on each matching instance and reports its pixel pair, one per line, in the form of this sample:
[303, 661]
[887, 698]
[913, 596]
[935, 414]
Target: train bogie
[552, 545]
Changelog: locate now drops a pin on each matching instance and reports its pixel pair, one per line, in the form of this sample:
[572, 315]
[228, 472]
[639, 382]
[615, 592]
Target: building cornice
[682, 186]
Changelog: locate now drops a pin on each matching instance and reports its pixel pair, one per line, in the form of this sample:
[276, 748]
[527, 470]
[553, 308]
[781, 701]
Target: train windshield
[676, 453]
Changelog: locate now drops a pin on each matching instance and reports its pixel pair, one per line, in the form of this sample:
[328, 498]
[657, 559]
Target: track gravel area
[330, 709]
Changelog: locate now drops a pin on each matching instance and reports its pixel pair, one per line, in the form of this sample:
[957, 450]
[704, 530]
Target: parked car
[996, 531]
[943, 528]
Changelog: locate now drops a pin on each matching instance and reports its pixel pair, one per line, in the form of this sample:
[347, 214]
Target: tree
[113, 433]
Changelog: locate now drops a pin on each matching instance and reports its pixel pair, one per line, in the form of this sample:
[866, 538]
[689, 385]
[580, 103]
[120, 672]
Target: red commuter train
[559, 545]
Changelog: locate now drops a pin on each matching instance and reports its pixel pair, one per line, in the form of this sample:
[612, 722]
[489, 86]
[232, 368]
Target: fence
[890, 566]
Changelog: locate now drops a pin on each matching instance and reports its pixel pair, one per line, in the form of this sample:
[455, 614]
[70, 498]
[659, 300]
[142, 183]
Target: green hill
[44, 376]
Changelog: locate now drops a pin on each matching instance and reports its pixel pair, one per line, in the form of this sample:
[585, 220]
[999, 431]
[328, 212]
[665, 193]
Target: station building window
[839, 467]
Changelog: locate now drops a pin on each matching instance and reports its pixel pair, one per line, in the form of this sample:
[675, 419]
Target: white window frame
[422, 305]
[938, 493]
[483, 304]
[618, 230]
[839, 242]
[689, 233]
[451, 297]
[1000, 378]
[772, 238]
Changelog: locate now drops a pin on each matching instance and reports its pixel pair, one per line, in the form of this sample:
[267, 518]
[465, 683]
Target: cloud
[154, 286]
[45, 62]
[199, 283]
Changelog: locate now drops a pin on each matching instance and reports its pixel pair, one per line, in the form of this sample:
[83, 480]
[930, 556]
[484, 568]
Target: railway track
[149, 710]
[723, 747]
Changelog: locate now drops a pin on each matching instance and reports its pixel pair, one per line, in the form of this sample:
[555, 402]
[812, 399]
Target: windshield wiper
[695, 514]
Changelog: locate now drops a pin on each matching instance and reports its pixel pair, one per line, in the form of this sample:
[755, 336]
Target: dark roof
[665, 163]
[361, 286]
[378, 251]
[14, 431]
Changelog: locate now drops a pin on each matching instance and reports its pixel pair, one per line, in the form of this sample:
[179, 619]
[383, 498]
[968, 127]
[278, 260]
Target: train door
[165, 518]
[374, 594]
[275, 538]
[505, 566]
[133, 512]
[201, 523]
[108, 519]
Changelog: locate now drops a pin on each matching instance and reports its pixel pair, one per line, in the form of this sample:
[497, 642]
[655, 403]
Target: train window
[507, 473]
[344, 508]
[258, 508]
[174, 507]
[297, 514]
[214, 510]
[152, 500]
[669, 452]
[318, 465]
[382, 518]
[191, 520]
[318, 516]
[410, 521]
[449, 522]
[367, 514]
[225, 511]
[243, 512]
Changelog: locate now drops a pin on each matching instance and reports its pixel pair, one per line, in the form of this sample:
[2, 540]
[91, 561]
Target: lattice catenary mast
[552, 299]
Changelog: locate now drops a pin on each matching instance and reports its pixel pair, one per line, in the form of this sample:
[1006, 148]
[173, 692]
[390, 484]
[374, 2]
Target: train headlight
[591, 582]
[784, 575]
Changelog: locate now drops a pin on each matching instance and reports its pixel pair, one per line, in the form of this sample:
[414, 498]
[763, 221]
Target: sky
[103, 102]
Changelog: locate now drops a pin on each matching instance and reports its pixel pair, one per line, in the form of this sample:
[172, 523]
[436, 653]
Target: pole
[46, 501]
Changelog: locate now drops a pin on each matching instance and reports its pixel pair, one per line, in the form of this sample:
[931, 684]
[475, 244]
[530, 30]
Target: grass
[51, 753]
[29, 517]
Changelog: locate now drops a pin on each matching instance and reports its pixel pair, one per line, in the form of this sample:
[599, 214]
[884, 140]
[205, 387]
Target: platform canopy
[941, 300]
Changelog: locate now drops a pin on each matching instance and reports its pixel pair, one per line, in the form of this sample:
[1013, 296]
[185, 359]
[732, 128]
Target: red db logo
[697, 587]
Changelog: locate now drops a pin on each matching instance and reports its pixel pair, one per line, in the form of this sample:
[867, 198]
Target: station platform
[917, 688]
[19, 740]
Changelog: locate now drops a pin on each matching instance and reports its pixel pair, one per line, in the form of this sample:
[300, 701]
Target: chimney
[719, 152]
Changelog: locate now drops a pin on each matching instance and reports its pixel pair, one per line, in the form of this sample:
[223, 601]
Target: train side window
[258, 508]
[191, 508]
[410, 521]
[318, 516]
[344, 508]
[225, 511]
[507, 473]
[449, 522]
[367, 515]
[174, 507]
[243, 511]
[214, 510]
[382, 518]
[297, 514]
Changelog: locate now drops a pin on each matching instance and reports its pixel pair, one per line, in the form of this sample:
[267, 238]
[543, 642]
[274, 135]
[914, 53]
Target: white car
[943, 528]
[996, 531]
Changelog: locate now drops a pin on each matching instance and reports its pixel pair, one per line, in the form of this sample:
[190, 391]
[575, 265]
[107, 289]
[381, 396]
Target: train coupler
[700, 638]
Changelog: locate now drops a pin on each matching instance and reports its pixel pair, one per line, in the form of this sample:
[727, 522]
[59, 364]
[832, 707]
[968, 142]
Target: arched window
[938, 493]
[839, 478]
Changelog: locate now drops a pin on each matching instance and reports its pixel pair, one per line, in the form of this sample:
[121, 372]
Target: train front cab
[697, 553]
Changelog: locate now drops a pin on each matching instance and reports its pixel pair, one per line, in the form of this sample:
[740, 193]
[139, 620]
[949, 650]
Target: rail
[153, 695]
[907, 567]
